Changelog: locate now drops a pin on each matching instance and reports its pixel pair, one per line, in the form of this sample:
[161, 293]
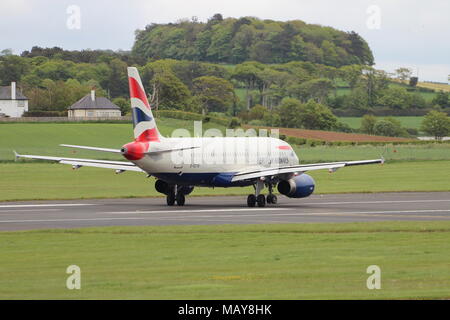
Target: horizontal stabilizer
[78, 163]
[91, 148]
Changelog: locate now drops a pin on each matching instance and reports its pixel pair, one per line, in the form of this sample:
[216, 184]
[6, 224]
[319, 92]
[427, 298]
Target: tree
[258, 112]
[12, 68]
[389, 127]
[216, 94]
[6, 52]
[232, 40]
[123, 104]
[385, 128]
[403, 73]
[360, 49]
[317, 116]
[316, 89]
[368, 124]
[247, 73]
[330, 55]
[352, 74]
[395, 98]
[269, 79]
[216, 18]
[117, 82]
[436, 124]
[441, 99]
[289, 113]
[171, 92]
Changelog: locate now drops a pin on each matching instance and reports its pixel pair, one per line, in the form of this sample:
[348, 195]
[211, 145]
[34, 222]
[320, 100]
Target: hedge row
[315, 142]
[45, 114]
[183, 115]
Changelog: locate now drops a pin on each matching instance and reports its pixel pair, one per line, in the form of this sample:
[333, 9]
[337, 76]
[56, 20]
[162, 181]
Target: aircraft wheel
[272, 199]
[261, 200]
[170, 199]
[251, 200]
[181, 199]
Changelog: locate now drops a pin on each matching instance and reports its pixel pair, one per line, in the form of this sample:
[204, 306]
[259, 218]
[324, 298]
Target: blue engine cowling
[300, 186]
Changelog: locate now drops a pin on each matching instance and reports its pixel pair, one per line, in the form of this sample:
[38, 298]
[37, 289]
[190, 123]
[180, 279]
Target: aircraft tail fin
[144, 124]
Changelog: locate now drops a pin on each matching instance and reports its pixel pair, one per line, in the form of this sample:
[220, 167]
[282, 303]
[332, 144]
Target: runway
[223, 210]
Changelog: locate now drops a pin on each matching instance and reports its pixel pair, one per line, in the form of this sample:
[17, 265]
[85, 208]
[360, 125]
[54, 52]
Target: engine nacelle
[163, 187]
[300, 186]
[185, 189]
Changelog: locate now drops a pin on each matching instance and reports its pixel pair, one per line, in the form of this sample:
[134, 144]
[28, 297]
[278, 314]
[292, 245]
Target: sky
[401, 33]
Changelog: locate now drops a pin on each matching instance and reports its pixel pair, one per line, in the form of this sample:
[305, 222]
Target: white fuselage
[215, 155]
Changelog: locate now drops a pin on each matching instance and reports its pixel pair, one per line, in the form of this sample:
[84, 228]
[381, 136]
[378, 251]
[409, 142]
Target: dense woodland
[268, 79]
[234, 41]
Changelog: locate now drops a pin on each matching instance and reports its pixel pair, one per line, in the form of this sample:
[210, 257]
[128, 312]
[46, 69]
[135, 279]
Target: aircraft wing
[266, 172]
[119, 166]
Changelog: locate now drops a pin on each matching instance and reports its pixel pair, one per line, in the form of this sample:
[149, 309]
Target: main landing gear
[174, 196]
[258, 198]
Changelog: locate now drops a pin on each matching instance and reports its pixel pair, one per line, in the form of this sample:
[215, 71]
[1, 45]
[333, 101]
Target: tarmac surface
[26, 215]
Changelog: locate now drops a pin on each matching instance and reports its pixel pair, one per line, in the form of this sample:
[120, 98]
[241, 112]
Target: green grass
[241, 94]
[44, 138]
[29, 181]
[428, 96]
[37, 180]
[298, 261]
[430, 151]
[407, 122]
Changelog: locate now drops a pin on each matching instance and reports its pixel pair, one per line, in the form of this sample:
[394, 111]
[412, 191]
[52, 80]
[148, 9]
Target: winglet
[16, 155]
[382, 160]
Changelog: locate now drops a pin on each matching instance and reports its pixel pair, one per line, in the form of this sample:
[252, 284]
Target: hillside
[233, 40]
[428, 85]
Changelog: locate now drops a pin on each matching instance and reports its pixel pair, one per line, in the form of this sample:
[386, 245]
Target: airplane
[222, 161]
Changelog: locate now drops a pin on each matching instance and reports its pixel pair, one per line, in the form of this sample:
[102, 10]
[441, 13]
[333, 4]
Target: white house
[12, 102]
[92, 106]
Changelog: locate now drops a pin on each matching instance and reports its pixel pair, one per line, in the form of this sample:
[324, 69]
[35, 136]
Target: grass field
[44, 138]
[428, 96]
[407, 122]
[429, 85]
[37, 180]
[298, 261]
[54, 181]
[435, 86]
[390, 152]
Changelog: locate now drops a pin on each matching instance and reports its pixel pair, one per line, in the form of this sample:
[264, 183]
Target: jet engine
[300, 186]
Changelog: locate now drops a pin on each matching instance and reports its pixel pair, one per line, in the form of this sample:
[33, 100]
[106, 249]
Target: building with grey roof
[91, 106]
[12, 102]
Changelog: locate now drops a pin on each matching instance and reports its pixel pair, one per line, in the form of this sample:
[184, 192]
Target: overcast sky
[409, 33]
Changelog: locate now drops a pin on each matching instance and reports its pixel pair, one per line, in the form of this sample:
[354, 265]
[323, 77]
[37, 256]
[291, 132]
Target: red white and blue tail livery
[144, 124]
[181, 163]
